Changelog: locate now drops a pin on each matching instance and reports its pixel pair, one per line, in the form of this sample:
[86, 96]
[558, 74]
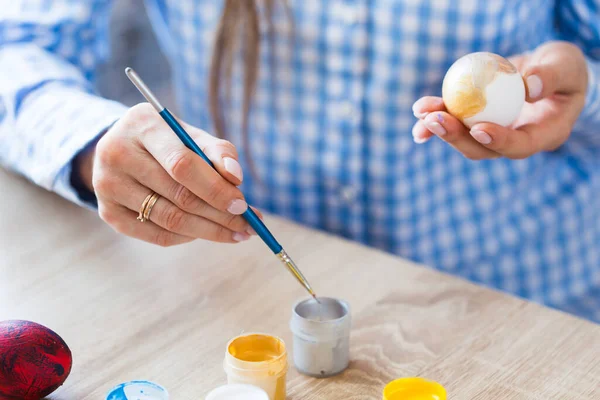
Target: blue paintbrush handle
[249, 215]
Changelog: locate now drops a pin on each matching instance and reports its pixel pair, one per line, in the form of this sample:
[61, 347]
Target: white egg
[484, 87]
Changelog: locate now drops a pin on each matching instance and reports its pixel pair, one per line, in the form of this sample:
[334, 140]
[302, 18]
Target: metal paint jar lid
[414, 389]
[321, 336]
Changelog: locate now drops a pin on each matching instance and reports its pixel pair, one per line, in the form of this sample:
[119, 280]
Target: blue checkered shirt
[331, 127]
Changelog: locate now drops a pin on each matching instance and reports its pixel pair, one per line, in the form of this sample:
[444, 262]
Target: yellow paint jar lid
[414, 389]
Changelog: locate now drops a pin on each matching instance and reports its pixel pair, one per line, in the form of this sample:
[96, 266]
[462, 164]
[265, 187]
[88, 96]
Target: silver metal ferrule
[143, 88]
[291, 265]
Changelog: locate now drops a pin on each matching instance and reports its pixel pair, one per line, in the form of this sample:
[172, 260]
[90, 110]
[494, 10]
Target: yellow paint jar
[414, 389]
[260, 360]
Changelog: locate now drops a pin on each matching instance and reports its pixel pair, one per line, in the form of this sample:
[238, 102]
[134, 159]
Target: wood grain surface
[129, 310]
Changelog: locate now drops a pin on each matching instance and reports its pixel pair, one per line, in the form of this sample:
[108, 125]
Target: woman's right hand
[140, 154]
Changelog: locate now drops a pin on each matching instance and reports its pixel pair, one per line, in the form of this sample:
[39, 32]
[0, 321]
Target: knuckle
[103, 184]
[140, 113]
[112, 150]
[108, 216]
[184, 198]
[180, 165]
[215, 191]
[140, 118]
[201, 208]
[451, 136]
[220, 147]
[174, 219]
[119, 227]
[226, 144]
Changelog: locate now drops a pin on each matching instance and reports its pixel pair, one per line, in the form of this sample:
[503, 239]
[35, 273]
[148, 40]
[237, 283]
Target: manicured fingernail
[436, 128]
[415, 130]
[250, 231]
[233, 167]
[481, 136]
[535, 86]
[417, 113]
[237, 207]
[240, 236]
[416, 134]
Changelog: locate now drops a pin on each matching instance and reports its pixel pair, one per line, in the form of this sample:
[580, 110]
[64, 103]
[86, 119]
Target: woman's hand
[140, 155]
[556, 79]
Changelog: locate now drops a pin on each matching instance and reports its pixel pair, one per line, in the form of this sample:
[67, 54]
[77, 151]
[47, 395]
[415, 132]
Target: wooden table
[129, 310]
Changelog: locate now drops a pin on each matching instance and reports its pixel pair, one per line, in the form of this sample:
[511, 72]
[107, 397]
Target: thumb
[553, 69]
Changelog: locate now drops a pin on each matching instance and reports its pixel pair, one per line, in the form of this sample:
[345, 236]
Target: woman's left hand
[556, 79]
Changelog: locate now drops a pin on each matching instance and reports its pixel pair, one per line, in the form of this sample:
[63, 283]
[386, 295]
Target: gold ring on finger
[153, 199]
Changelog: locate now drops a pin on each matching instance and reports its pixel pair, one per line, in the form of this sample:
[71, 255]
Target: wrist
[82, 170]
[83, 166]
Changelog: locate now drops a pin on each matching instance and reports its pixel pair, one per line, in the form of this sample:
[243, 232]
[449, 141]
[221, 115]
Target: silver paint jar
[321, 346]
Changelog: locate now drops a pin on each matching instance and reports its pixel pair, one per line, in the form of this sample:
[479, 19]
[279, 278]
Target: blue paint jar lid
[138, 390]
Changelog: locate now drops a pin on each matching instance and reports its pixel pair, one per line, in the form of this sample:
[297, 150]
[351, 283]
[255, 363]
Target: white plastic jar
[238, 392]
[321, 336]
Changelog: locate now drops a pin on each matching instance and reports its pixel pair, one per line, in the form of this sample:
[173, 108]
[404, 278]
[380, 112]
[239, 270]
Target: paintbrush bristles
[293, 268]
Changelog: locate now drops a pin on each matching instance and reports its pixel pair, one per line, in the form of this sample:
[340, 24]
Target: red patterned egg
[34, 360]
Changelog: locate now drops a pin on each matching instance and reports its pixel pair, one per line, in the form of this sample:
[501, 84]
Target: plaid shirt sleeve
[578, 21]
[48, 109]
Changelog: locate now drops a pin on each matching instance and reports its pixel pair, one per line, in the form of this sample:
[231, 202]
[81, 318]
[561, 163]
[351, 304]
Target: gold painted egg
[483, 87]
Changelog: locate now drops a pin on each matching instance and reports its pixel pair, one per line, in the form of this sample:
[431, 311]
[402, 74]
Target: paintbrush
[249, 215]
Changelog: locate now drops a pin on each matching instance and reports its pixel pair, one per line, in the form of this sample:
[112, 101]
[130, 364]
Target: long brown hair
[238, 30]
